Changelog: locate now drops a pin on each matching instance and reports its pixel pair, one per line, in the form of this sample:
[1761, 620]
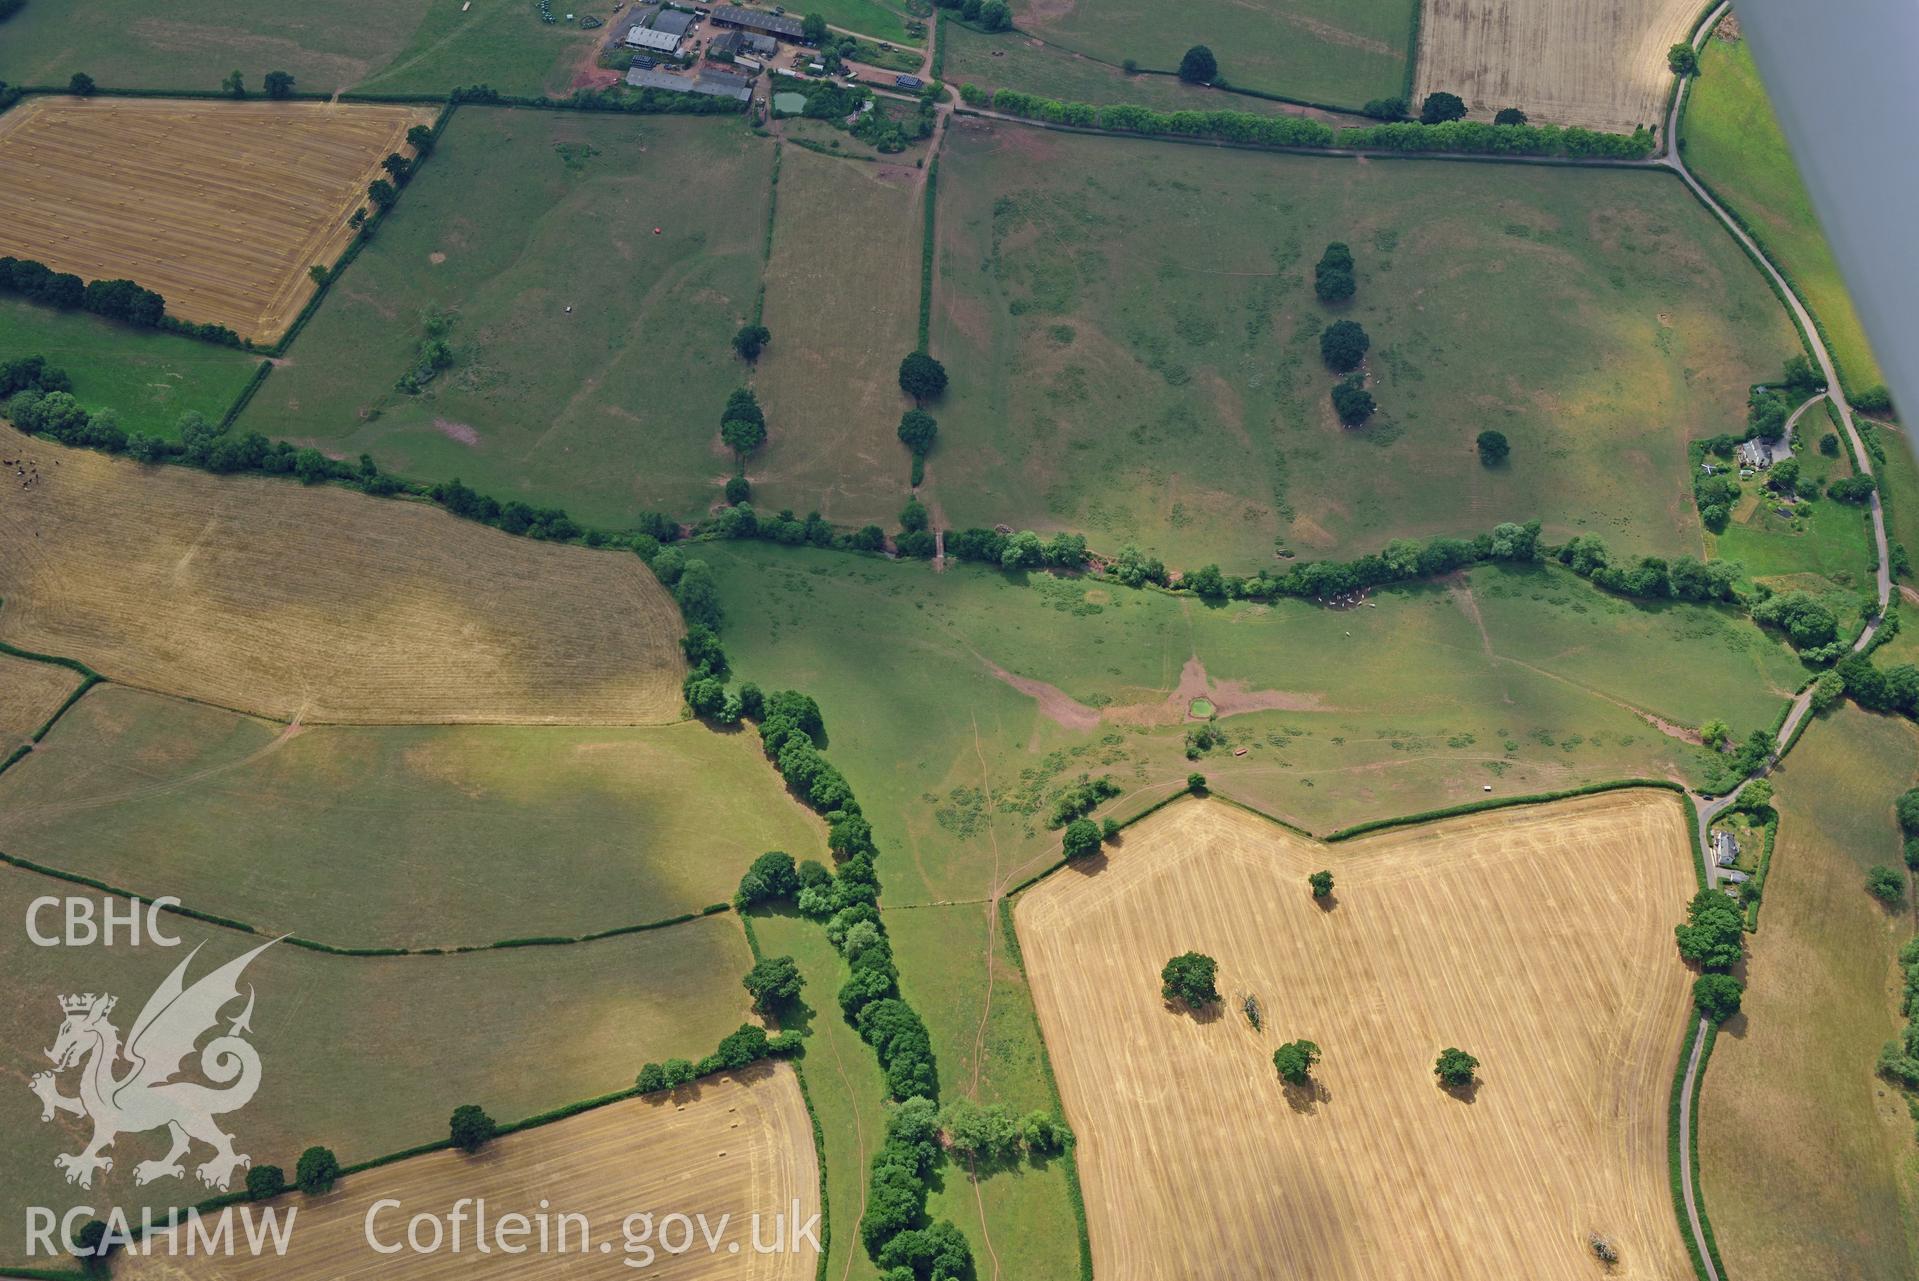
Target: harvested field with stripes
[737, 1145]
[1599, 63]
[221, 207]
[29, 693]
[324, 605]
[1538, 939]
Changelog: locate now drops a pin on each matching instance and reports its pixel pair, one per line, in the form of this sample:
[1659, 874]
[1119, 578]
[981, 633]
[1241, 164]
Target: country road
[1711, 809]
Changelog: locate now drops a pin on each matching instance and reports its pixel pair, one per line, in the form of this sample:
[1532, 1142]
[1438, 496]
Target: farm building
[674, 22]
[744, 44]
[771, 24]
[714, 83]
[657, 41]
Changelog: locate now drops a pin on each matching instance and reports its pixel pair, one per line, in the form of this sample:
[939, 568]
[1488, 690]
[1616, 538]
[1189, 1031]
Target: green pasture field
[865, 17]
[842, 1078]
[1806, 1158]
[148, 379]
[413, 46]
[605, 411]
[415, 836]
[1532, 681]
[1323, 51]
[1131, 335]
[1898, 487]
[842, 302]
[1029, 65]
[1731, 140]
[368, 1055]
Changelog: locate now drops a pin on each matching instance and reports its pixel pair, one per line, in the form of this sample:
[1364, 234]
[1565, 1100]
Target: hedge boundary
[311, 945]
[928, 251]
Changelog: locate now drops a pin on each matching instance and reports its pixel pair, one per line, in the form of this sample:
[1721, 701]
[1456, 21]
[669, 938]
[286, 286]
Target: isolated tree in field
[1441, 107]
[264, 1181]
[1716, 996]
[316, 1170]
[1198, 67]
[1081, 838]
[1351, 401]
[280, 85]
[1189, 978]
[234, 86]
[1294, 1061]
[382, 193]
[81, 84]
[1321, 884]
[742, 423]
[471, 1128]
[1494, 448]
[1196, 783]
[1333, 277]
[1343, 344]
[1886, 885]
[738, 490]
[1455, 1068]
[813, 28]
[750, 341]
[772, 982]
[922, 377]
[918, 430]
[1715, 734]
[1682, 59]
[1510, 116]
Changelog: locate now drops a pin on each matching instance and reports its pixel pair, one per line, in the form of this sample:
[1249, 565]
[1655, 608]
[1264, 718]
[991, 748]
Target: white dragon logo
[146, 1096]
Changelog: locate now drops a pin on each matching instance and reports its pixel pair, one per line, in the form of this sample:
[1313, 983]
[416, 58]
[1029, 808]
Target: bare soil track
[1539, 940]
[222, 207]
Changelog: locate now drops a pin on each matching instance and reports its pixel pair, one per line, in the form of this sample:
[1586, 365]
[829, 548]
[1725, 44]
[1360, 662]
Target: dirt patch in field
[456, 431]
[1229, 698]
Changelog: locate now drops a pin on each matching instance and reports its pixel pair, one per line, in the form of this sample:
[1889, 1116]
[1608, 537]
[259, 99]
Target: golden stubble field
[29, 693]
[733, 1145]
[221, 207]
[1599, 63]
[1538, 939]
[324, 605]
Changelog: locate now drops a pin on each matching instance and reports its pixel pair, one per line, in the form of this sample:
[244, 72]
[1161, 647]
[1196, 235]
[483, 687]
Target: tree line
[120, 300]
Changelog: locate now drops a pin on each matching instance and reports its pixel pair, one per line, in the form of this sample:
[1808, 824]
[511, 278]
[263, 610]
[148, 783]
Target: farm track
[220, 207]
[1709, 809]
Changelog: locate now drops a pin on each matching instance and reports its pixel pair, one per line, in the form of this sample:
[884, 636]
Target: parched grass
[322, 604]
[1443, 934]
[1030, 65]
[842, 299]
[1131, 332]
[413, 46]
[417, 836]
[30, 692]
[147, 379]
[1732, 140]
[370, 1056]
[605, 410]
[1319, 51]
[1806, 1156]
